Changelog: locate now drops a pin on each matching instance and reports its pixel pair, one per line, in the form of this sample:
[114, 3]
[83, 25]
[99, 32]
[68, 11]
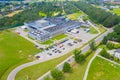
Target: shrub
[104, 53]
[110, 45]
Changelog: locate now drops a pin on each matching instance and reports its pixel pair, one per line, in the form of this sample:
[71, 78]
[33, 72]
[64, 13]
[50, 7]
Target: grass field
[101, 28]
[116, 11]
[38, 70]
[13, 50]
[59, 37]
[103, 70]
[93, 30]
[75, 16]
[78, 70]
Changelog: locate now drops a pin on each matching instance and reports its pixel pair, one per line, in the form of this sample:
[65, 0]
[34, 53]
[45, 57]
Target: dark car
[69, 44]
[74, 42]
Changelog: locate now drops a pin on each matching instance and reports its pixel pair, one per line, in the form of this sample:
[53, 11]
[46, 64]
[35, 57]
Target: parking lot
[82, 35]
[60, 49]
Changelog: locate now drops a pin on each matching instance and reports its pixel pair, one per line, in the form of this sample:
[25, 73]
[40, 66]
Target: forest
[98, 15]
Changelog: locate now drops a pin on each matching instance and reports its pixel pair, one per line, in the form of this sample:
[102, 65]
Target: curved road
[13, 73]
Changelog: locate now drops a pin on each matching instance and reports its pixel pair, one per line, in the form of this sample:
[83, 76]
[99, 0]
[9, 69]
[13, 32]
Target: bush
[57, 74]
[105, 54]
[110, 45]
[66, 67]
[104, 41]
[47, 78]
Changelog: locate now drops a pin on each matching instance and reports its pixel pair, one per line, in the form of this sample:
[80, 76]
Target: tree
[78, 56]
[57, 74]
[104, 41]
[66, 67]
[81, 58]
[92, 45]
[117, 29]
[110, 45]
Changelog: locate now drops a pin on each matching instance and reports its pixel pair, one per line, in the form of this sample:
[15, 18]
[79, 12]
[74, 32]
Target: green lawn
[14, 50]
[47, 42]
[78, 70]
[116, 11]
[59, 37]
[103, 70]
[74, 16]
[101, 28]
[93, 30]
[38, 70]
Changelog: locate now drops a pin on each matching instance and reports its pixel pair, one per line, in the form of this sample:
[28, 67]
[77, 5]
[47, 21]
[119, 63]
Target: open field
[14, 50]
[35, 71]
[13, 13]
[103, 70]
[78, 70]
[59, 37]
[116, 11]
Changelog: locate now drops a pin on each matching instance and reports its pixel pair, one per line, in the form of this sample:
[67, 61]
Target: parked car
[49, 54]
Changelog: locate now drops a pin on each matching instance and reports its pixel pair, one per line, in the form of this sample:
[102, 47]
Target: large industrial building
[47, 28]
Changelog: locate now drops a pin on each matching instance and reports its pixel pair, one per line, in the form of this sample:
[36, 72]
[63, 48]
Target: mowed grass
[93, 30]
[103, 70]
[116, 11]
[75, 16]
[78, 70]
[59, 37]
[35, 71]
[13, 50]
[101, 28]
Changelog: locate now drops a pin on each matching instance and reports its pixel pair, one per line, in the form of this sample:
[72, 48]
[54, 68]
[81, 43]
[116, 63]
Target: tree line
[98, 15]
[114, 36]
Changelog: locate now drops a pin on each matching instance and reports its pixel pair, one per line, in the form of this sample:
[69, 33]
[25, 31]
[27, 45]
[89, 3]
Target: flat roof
[38, 23]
